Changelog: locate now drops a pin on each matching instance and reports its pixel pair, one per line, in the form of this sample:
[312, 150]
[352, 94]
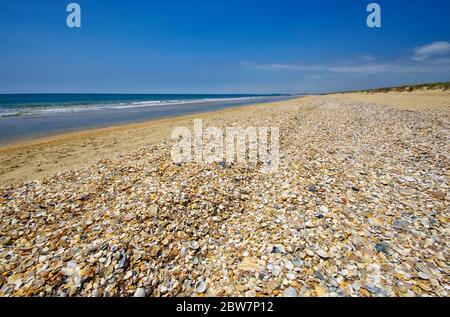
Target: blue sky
[221, 46]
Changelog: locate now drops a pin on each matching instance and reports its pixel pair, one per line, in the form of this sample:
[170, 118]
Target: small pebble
[290, 292]
[297, 261]
[382, 247]
[276, 249]
[140, 292]
[200, 287]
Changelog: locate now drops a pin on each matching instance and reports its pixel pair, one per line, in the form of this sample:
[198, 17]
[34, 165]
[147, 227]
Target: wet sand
[40, 157]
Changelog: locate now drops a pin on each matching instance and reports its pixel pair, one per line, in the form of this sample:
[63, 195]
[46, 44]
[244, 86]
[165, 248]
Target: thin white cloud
[374, 68]
[428, 58]
[426, 52]
[345, 68]
[286, 67]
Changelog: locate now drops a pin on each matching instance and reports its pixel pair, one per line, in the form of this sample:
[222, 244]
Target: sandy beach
[358, 207]
[413, 101]
[224, 156]
[34, 159]
[30, 160]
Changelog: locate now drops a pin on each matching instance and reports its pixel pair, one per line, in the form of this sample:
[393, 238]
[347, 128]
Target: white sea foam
[55, 109]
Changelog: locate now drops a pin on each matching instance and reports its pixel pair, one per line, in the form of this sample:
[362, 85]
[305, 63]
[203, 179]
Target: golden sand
[417, 100]
[37, 158]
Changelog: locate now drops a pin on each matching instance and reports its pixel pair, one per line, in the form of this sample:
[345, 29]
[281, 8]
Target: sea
[24, 116]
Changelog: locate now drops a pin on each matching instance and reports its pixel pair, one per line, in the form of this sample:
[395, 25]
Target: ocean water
[25, 116]
[46, 104]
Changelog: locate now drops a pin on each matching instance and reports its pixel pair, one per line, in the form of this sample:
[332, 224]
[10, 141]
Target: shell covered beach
[359, 206]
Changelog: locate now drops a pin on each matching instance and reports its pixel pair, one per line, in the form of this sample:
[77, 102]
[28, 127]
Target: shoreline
[31, 159]
[14, 129]
[84, 132]
[39, 157]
